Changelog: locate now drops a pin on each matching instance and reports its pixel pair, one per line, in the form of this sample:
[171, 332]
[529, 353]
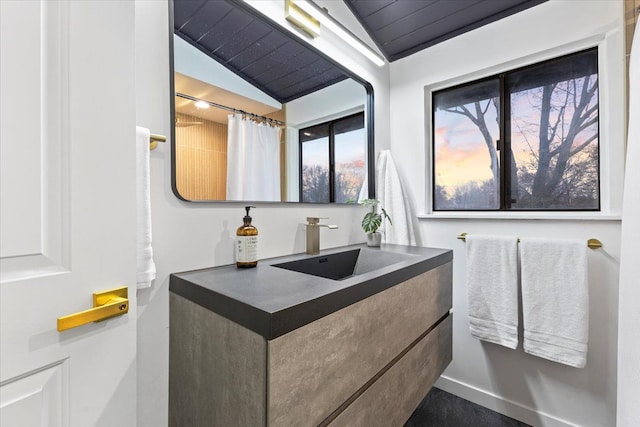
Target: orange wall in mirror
[201, 158]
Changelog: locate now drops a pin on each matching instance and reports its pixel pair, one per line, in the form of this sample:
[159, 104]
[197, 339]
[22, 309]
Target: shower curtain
[253, 160]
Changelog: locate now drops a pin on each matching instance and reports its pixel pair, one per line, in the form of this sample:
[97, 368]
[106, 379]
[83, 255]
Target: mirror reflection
[260, 116]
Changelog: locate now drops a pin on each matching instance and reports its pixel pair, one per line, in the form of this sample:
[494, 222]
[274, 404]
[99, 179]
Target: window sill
[538, 216]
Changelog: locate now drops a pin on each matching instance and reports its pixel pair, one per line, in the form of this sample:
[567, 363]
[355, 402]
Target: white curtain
[253, 160]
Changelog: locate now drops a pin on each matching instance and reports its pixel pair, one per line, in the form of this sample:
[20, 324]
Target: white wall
[190, 236]
[537, 391]
[335, 101]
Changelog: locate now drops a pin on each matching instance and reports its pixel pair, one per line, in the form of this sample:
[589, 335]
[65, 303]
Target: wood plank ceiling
[262, 53]
[402, 27]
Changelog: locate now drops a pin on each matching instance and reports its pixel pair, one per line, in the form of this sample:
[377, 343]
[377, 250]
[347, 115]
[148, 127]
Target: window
[527, 139]
[332, 160]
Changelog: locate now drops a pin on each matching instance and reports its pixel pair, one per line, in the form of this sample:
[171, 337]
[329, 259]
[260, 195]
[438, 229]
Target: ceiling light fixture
[325, 19]
[301, 19]
[201, 104]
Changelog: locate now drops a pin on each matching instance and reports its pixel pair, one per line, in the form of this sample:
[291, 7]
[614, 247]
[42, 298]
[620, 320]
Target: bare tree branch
[484, 111]
[465, 112]
[583, 145]
[587, 124]
[559, 120]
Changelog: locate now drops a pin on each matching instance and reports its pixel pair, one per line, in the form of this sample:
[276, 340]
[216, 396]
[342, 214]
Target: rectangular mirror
[262, 116]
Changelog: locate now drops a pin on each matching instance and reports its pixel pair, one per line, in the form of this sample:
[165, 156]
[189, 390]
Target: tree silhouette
[476, 194]
[349, 179]
[478, 119]
[561, 169]
[315, 184]
[568, 111]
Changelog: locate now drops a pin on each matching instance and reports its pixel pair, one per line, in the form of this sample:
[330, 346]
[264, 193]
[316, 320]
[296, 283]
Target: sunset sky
[460, 150]
[350, 147]
[461, 153]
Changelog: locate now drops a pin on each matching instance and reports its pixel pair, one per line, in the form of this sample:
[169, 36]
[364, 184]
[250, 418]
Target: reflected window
[526, 139]
[333, 160]
[314, 152]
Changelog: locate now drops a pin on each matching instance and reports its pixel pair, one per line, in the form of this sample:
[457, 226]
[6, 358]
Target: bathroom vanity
[279, 345]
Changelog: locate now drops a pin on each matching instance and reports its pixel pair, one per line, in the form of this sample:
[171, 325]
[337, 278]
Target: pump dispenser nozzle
[247, 218]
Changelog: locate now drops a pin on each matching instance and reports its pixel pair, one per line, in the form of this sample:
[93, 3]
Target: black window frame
[332, 172]
[504, 141]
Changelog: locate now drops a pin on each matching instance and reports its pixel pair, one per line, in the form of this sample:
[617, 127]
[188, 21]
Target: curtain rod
[234, 110]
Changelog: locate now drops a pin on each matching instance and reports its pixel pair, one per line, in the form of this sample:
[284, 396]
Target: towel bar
[154, 139]
[591, 243]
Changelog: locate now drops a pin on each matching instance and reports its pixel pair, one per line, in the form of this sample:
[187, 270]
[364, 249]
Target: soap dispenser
[247, 243]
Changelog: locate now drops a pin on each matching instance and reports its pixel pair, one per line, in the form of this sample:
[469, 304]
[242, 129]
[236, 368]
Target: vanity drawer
[411, 378]
[313, 370]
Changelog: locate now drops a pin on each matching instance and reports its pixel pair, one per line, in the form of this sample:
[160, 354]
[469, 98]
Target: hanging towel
[492, 281]
[146, 269]
[389, 192]
[555, 299]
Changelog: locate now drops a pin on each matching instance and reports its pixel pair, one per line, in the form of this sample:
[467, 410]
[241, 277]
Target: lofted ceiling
[244, 41]
[402, 27]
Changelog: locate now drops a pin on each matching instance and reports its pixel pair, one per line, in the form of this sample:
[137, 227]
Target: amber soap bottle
[247, 243]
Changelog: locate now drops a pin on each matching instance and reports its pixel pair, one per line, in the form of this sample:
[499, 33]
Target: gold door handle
[106, 304]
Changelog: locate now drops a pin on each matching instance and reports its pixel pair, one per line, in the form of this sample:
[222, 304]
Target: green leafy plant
[373, 220]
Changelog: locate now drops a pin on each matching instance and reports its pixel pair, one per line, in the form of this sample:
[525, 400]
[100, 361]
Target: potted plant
[373, 220]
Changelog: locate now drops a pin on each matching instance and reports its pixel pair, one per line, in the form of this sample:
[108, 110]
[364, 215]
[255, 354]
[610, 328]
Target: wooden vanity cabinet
[370, 363]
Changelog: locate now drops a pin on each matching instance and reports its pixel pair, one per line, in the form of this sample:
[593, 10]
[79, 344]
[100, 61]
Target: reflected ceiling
[202, 90]
[231, 34]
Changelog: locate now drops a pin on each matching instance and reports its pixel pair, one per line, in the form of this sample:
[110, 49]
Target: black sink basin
[333, 266]
[341, 265]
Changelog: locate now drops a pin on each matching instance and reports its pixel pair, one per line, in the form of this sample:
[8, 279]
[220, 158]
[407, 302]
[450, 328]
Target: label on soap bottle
[246, 248]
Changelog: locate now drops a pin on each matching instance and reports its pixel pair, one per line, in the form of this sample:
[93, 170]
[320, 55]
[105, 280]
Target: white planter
[374, 239]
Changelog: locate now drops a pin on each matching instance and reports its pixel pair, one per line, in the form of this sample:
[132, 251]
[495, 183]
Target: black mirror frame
[369, 110]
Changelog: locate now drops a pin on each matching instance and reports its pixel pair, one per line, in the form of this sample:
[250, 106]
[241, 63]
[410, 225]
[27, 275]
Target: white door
[67, 211]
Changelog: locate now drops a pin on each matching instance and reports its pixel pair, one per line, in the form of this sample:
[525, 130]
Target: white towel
[492, 281]
[555, 299]
[389, 192]
[146, 268]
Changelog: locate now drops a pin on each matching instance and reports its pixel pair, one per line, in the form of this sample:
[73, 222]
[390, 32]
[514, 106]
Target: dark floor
[442, 409]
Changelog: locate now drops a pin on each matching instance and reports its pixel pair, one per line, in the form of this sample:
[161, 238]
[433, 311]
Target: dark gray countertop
[273, 301]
